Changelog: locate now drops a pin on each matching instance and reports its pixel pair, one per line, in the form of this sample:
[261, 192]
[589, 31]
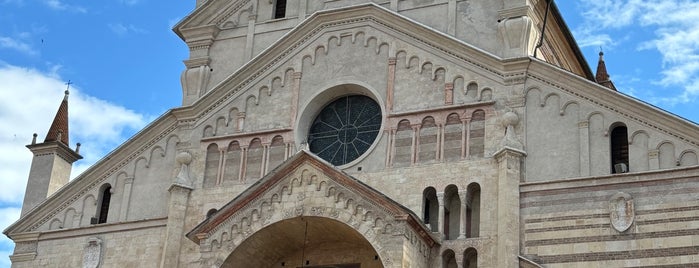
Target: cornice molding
[620, 178]
[614, 101]
[372, 15]
[95, 175]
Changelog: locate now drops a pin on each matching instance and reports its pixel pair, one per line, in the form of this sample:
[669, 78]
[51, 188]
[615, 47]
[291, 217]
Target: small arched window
[211, 212]
[106, 196]
[430, 206]
[619, 142]
[470, 258]
[279, 9]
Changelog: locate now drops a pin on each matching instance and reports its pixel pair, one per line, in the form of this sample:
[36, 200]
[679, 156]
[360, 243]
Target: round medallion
[345, 129]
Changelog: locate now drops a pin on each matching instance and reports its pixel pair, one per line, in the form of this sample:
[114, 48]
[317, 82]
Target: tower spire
[602, 76]
[52, 162]
[59, 128]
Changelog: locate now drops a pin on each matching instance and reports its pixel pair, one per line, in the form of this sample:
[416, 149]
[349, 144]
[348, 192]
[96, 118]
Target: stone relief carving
[93, 253]
[621, 211]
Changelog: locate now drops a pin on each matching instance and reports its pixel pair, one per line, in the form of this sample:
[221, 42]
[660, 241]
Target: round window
[345, 129]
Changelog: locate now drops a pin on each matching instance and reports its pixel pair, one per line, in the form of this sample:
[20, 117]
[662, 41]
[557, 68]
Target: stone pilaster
[177, 211]
[509, 159]
[440, 217]
[509, 175]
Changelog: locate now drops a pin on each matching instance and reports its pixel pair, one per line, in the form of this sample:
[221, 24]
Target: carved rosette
[621, 211]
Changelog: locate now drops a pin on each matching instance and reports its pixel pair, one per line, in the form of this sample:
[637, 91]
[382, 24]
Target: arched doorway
[328, 244]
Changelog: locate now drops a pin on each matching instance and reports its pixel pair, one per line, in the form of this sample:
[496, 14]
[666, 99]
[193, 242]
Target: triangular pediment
[306, 185]
[378, 28]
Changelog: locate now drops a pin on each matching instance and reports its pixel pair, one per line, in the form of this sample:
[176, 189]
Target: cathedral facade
[396, 133]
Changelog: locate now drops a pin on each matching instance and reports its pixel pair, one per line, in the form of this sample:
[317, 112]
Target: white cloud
[58, 5]
[122, 30]
[16, 44]
[674, 28]
[29, 103]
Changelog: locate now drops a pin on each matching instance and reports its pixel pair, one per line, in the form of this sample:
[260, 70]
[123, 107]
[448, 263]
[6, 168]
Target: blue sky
[125, 63]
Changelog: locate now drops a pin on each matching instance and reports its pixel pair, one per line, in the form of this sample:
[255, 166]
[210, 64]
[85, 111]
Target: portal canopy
[305, 242]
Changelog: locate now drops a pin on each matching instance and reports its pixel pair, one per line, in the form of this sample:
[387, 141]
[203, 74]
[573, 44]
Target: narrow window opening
[427, 211]
[430, 209]
[620, 149]
[104, 204]
[279, 9]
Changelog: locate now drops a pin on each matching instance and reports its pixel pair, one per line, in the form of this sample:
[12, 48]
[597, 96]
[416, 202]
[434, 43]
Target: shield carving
[621, 211]
[93, 253]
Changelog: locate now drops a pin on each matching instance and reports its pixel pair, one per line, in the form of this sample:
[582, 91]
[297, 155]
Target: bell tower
[52, 162]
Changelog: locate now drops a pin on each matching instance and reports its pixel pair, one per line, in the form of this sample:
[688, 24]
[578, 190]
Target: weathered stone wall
[125, 248]
[569, 222]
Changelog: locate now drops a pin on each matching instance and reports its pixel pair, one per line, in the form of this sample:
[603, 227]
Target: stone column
[389, 141]
[440, 142]
[243, 162]
[465, 138]
[390, 83]
[440, 217]
[241, 122]
[177, 211]
[414, 147]
[265, 159]
[221, 164]
[584, 131]
[463, 195]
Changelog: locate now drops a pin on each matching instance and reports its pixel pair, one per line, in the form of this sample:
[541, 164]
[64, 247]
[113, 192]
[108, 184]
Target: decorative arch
[689, 158]
[211, 166]
[477, 134]
[470, 258]
[449, 259]
[452, 212]
[473, 210]
[304, 185]
[666, 155]
[403, 144]
[430, 208]
[428, 141]
[105, 197]
[619, 148]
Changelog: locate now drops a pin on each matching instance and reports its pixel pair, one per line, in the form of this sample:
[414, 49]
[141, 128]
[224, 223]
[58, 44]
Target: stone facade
[487, 156]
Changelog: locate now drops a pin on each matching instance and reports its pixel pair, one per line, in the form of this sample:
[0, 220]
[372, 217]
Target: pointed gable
[369, 205]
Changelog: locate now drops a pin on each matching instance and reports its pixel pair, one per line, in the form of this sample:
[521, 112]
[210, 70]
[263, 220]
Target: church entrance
[307, 242]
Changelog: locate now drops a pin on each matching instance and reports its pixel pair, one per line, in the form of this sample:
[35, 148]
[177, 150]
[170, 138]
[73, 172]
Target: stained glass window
[345, 129]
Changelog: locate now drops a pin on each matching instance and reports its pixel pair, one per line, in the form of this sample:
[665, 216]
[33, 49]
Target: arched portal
[328, 243]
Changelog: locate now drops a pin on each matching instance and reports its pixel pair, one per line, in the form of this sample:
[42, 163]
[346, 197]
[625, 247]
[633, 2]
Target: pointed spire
[602, 76]
[59, 127]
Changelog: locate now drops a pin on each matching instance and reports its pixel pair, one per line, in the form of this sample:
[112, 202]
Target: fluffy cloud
[122, 30]
[16, 44]
[29, 103]
[674, 28]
